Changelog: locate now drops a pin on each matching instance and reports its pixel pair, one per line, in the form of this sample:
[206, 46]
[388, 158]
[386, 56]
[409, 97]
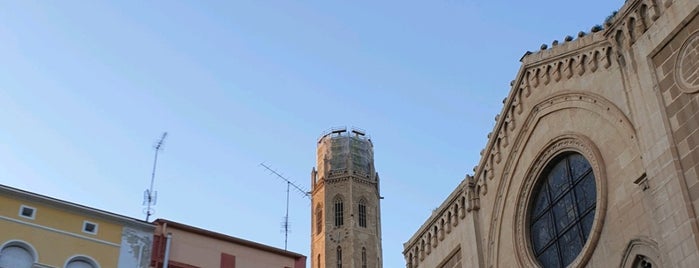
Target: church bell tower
[346, 216]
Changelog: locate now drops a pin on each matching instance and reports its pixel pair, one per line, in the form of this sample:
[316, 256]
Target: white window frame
[22, 207]
[22, 244]
[85, 223]
[84, 258]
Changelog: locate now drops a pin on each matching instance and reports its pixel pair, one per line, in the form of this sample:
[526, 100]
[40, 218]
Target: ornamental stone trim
[687, 65]
[562, 144]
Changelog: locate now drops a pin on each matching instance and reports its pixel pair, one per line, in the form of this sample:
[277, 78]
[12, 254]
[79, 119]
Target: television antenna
[285, 224]
[150, 196]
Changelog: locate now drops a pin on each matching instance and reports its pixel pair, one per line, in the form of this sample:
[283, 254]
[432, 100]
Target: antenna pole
[150, 195]
[289, 184]
[286, 218]
[301, 190]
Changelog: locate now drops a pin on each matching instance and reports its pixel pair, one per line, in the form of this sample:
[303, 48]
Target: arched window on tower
[339, 257]
[363, 257]
[339, 207]
[318, 261]
[362, 213]
[319, 219]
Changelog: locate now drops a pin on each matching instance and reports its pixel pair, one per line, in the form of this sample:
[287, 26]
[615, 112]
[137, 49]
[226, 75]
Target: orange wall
[203, 251]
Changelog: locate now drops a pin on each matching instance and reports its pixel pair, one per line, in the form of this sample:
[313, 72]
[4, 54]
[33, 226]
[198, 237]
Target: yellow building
[40, 231]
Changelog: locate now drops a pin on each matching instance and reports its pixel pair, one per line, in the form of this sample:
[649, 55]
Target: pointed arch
[363, 257]
[456, 213]
[435, 232]
[362, 212]
[567, 101]
[429, 239]
[339, 257]
[319, 218]
[641, 252]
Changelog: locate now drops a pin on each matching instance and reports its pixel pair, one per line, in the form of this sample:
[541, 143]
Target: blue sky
[87, 88]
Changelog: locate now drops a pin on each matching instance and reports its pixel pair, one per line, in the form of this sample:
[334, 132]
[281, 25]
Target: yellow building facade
[40, 231]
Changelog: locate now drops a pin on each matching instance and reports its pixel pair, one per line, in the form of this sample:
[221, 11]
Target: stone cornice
[590, 54]
[563, 100]
[633, 20]
[577, 58]
[558, 51]
[587, 54]
[442, 211]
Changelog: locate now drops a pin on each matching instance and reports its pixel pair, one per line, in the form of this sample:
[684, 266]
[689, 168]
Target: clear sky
[87, 87]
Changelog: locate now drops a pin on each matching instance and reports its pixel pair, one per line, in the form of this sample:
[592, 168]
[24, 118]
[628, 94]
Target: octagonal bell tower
[346, 216]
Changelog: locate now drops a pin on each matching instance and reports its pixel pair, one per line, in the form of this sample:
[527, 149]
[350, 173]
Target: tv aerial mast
[285, 224]
[150, 196]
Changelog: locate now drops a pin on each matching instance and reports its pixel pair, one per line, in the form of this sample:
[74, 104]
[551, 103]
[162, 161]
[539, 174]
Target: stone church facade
[594, 158]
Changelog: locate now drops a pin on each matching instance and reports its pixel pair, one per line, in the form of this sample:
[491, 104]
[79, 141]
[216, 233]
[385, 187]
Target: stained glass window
[563, 210]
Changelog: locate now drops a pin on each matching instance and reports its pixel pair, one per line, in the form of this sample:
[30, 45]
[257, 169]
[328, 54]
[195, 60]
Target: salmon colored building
[177, 245]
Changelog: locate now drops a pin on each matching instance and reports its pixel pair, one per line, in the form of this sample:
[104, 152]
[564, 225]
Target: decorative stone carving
[592, 63]
[559, 145]
[687, 65]
[655, 9]
[635, 21]
[441, 232]
[428, 247]
[568, 67]
[556, 72]
[472, 194]
[434, 239]
[544, 75]
[585, 60]
[534, 77]
[580, 64]
[557, 102]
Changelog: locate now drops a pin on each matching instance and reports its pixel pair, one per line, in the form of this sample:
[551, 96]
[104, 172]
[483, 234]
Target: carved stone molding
[591, 55]
[581, 100]
[578, 57]
[440, 224]
[579, 62]
[641, 249]
[562, 144]
[687, 65]
[633, 20]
